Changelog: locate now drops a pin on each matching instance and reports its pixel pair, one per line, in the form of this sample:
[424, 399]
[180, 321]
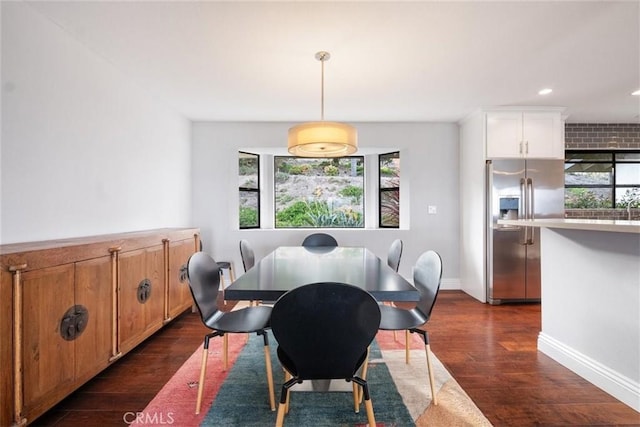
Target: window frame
[250, 190]
[381, 190]
[613, 186]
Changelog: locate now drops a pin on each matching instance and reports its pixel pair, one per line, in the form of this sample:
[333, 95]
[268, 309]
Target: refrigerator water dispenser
[509, 207]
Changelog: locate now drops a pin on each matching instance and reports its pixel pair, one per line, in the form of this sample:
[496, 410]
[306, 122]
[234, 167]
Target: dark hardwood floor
[492, 352]
[489, 350]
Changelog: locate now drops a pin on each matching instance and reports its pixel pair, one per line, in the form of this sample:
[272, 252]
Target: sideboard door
[179, 294]
[48, 358]
[95, 294]
[142, 294]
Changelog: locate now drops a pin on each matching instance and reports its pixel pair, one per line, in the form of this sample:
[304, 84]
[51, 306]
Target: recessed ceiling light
[545, 91]
[636, 93]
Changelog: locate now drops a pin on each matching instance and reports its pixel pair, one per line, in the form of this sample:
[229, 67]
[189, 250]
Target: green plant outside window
[319, 193]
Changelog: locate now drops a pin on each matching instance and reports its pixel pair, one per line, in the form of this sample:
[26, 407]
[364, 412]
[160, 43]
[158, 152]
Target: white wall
[84, 151]
[429, 164]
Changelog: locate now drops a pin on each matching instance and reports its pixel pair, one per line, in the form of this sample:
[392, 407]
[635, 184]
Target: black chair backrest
[426, 277]
[247, 255]
[325, 328]
[394, 255]
[204, 281]
[319, 239]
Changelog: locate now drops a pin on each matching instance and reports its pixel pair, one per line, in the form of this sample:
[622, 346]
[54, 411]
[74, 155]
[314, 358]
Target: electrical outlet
[433, 210]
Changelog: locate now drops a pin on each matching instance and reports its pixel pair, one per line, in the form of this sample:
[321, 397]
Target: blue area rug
[243, 398]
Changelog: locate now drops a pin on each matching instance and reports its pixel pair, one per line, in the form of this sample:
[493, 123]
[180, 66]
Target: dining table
[288, 267]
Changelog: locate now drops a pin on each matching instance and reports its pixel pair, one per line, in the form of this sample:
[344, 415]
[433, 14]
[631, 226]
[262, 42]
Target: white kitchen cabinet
[524, 134]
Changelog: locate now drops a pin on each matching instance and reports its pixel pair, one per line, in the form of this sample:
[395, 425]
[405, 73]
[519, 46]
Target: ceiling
[390, 61]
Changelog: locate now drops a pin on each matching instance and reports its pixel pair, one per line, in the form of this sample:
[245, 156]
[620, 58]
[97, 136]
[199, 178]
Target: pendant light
[322, 139]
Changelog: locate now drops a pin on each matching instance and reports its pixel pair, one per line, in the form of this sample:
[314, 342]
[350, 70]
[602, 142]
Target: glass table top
[288, 267]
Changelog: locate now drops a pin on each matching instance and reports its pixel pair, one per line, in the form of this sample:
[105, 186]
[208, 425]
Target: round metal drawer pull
[144, 291]
[74, 322]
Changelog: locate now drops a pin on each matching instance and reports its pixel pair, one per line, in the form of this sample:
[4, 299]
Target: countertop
[618, 225]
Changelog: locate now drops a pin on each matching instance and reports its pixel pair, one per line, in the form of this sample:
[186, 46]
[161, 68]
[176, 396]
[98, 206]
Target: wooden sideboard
[71, 307]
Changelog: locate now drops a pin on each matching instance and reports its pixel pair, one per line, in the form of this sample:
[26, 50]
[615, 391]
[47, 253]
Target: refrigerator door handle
[530, 198]
[489, 196]
[523, 211]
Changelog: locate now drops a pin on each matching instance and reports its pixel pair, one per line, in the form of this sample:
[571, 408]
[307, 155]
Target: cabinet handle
[74, 322]
[144, 291]
[526, 145]
[520, 147]
[184, 275]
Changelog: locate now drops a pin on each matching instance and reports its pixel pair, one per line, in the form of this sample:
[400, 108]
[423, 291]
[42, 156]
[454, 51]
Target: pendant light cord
[322, 56]
[322, 59]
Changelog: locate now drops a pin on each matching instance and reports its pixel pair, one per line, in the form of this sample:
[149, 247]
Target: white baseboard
[450, 284]
[622, 388]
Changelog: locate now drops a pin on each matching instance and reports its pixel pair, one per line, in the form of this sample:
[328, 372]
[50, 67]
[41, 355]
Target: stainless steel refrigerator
[519, 189]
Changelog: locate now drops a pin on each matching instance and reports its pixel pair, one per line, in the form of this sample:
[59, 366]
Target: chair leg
[427, 349]
[283, 407]
[232, 275]
[203, 370]
[287, 377]
[407, 353]
[356, 397]
[280, 417]
[203, 367]
[267, 361]
[222, 286]
[431, 377]
[225, 351]
[370, 417]
[367, 400]
[365, 366]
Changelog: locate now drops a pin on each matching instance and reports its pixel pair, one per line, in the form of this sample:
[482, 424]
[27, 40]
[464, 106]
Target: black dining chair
[323, 332]
[224, 265]
[394, 255]
[204, 280]
[319, 239]
[248, 261]
[427, 275]
[393, 261]
[247, 255]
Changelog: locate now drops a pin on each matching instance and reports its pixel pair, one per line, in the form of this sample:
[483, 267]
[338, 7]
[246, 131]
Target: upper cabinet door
[504, 134]
[518, 134]
[542, 134]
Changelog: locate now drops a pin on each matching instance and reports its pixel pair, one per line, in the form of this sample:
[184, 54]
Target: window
[249, 187]
[602, 179]
[389, 197]
[319, 193]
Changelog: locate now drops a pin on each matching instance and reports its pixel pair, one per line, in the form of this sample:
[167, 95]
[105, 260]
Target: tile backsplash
[634, 214]
[607, 136]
